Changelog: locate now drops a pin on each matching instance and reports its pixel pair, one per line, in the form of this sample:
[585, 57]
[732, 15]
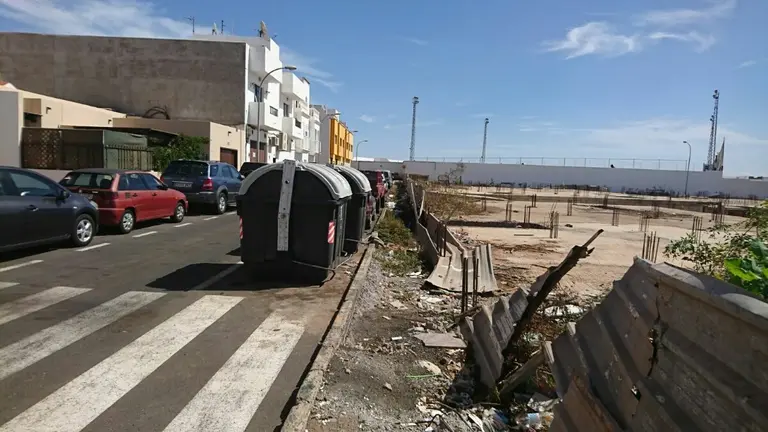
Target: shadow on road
[194, 277]
[30, 252]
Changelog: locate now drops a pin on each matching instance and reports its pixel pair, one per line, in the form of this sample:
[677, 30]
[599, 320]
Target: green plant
[181, 147]
[392, 230]
[734, 253]
[750, 273]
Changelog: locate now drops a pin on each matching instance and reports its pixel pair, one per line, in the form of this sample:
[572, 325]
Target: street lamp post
[261, 100]
[357, 149]
[687, 168]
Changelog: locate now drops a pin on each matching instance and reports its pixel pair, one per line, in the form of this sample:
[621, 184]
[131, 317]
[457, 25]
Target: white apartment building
[276, 101]
[314, 135]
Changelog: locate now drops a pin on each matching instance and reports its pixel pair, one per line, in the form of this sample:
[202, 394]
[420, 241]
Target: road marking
[144, 234]
[35, 302]
[96, 246]
[79, 402]
[4, 285]
[36, 347]
[211, 218]
[15, 266]
[183, 225]
[231, 397]
[230, 213]
[215, 278]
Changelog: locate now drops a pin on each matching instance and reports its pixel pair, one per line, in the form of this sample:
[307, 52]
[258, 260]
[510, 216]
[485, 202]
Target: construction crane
[711, 153]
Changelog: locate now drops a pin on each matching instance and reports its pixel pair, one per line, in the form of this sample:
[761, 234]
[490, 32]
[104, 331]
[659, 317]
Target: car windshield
[187, 168]
[88, 179]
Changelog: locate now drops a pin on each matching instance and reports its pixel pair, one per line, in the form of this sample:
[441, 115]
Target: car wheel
[83, 231]
[221, 203]
[178, 213]
[127, 222]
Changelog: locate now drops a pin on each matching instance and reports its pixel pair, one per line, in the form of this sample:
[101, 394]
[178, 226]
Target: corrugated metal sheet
[667, 350]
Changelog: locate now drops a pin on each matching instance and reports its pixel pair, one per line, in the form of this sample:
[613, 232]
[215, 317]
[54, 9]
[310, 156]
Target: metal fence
[654, 164]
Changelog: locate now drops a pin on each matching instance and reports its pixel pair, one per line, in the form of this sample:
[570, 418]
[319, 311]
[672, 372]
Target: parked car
[210, 183]
[378, 187]
[125, 197]
[249, 167]
[35, 210]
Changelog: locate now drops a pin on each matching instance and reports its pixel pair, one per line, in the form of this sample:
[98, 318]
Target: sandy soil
[522, 254]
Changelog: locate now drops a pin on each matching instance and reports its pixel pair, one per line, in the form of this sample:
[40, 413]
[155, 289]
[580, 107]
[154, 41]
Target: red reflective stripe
[241, 228]
[331, 232]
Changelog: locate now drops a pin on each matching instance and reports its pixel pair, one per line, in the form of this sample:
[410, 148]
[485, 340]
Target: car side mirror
[162, 186]
[241, 177]
[64, 194]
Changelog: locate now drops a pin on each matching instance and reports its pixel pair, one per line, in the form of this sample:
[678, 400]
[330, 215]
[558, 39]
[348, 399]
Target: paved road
[157, 330]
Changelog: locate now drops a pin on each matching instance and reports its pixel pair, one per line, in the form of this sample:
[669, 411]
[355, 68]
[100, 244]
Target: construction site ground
[522, 254]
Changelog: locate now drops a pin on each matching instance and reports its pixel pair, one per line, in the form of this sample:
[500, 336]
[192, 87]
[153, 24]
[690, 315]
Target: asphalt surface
[159, 329]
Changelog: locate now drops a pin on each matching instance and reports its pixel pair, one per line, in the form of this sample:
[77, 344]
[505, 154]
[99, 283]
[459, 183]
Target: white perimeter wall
[615, 179]
[11, 120]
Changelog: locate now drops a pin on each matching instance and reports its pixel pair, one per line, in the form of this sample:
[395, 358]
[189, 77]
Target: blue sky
[557, 78]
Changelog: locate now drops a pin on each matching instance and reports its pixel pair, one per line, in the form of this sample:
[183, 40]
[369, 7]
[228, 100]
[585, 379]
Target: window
[187, 168]
[135, 182]
[256, 91]
[122, 184]
[232, 172]
[286, 110]
[84, 179]
[214, 170]
[30, 185]
[297, 122]
[152, 182]
[273, 111]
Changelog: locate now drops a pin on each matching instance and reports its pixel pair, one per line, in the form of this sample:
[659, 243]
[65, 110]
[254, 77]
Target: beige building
[20, 108]
[227, 144]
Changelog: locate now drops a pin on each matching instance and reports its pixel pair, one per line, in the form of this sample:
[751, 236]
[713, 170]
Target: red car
[378, 187]
[125, 197]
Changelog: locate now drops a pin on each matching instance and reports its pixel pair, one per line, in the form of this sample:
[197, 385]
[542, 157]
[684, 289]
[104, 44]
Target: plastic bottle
[536, 420]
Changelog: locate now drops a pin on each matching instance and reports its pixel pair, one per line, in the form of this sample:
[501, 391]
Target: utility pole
[222, 26]
[192, 20]
[712, 133]
[485, 140]
[413, 129]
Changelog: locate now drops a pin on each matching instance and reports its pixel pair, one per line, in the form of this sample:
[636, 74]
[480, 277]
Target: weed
[400, 262]
[447, 203]
[393, 231]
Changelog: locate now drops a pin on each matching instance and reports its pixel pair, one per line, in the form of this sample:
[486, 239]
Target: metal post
[413, 129]
[258, 109]
[357, 150]
[485, 140]
[687, 168]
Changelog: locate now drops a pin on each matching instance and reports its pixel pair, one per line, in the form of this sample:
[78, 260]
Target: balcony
[294, 87]
[292, 128]
[270, 116]
[263, 60]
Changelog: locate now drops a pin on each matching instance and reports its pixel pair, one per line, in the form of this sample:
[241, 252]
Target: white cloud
[367, 119]
[415, 41]
[305, 66]
[132, 18]
[746, 64]
[702, 42]
[680, 17]
[594, 38]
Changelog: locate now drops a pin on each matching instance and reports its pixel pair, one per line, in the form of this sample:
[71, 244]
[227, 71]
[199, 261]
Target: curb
[298, 416]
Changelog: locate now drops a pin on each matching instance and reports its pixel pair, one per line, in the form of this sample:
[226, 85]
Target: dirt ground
[375, 381]
[520, 255]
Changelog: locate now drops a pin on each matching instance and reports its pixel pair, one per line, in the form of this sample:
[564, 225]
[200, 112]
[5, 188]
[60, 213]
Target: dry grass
[447, 203]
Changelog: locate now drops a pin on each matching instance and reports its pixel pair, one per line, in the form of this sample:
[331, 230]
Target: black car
[249, 167]
[211, 183]
[36, 210]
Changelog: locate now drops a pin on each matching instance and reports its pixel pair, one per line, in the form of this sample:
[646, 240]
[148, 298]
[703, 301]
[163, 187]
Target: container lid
[337, 185]
[361, 181]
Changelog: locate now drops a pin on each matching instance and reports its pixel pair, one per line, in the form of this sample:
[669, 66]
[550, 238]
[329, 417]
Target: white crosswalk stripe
[229, 399]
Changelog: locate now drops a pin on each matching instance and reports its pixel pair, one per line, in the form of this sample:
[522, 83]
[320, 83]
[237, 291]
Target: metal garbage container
[292, 221]
[359, 207]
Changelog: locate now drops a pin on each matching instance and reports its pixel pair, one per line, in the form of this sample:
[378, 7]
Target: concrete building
[20, 108]
[314, 134]
[336, 139]
[295, 110]
[210, 78]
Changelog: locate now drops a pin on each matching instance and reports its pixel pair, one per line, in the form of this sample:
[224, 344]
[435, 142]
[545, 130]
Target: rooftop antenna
[222, 26]
[413, 129]
[485, 139]
[192, 20]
